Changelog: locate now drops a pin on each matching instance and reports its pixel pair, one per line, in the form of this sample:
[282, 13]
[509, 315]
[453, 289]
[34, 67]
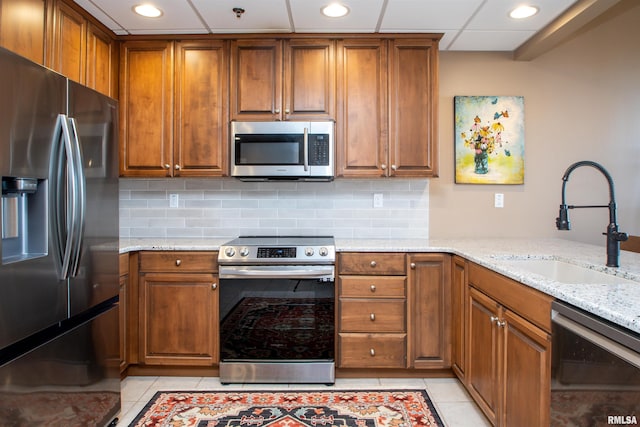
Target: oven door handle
[276, 272]
[607, 344]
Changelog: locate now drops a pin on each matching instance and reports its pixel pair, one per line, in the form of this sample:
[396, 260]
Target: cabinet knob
[412, 265]
[286, 111]
[373, 263]
[277, 111]
[372, 352]
[394, 167]
[178, 262]
[372, 316]
[177, 167]
[167, 166]
[495, 319]
[373, 288]
[501, 323]
[214, 286]
[383, 166]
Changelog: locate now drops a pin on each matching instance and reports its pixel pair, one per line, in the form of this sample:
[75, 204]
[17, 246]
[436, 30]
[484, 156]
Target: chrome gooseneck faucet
[614, 237]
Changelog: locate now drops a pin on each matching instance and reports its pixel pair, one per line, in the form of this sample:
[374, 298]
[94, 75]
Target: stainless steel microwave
[282, 150]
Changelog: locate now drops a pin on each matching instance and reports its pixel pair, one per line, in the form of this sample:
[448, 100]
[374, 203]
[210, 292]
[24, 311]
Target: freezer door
[31, 295]
[73, 380]
[95, 118]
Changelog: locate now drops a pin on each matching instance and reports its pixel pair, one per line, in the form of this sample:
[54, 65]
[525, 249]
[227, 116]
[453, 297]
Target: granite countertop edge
[618, 303]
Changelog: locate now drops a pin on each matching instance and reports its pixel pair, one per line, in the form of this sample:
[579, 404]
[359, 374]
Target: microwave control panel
[319, 150]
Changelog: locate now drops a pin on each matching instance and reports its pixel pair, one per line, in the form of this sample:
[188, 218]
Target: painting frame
[489, 139]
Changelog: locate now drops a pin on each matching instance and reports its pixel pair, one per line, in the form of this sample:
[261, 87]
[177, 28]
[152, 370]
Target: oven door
[595, 371]
[277, 319]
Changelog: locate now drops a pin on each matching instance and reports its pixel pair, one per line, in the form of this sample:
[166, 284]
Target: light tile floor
[451, 400]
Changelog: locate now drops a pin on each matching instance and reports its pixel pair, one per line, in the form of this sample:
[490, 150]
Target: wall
[582, 102]
[227, 208]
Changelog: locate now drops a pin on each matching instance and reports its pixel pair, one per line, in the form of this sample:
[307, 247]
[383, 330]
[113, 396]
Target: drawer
[182, 261]
[373, 286]
[372, 263]
[372, 350]
[363, 315]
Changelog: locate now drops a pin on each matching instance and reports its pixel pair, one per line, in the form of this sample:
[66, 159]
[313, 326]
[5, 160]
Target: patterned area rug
[362, 408]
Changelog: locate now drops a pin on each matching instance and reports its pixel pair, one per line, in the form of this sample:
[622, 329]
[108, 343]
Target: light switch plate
[378, 200]
[498, 200]
[173, 200]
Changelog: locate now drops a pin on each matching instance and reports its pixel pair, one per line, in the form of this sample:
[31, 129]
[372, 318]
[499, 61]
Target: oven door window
[269, 149]
[276, 319]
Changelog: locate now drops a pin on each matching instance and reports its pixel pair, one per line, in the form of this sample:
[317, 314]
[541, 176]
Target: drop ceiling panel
[418, 15]
[494, 15]
[363, 16]
[260, 16]
[498, 40]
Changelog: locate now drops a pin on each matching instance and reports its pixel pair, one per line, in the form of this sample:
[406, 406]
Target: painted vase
[482, 162]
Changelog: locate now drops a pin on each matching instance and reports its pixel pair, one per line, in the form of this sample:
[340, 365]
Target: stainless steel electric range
[277, 310]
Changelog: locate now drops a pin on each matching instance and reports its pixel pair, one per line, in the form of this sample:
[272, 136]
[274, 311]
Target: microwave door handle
[306, 149]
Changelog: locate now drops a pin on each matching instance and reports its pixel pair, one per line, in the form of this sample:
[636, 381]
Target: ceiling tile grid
[465, 24]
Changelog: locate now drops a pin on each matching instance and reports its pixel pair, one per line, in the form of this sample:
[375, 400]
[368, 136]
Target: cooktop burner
[278, 250]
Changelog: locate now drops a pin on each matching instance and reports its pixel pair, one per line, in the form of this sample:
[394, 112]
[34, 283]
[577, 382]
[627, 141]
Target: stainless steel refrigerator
[59, 281]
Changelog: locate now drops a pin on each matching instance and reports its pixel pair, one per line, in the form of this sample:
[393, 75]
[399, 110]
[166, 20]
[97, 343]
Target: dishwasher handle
[596, 338]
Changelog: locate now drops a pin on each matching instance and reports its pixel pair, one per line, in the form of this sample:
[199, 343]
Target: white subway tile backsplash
[225, 207]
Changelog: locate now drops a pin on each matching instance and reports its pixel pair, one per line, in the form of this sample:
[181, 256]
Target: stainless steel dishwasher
[595, 370]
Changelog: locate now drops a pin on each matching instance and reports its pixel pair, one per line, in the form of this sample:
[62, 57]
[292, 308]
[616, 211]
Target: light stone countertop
[618, 303]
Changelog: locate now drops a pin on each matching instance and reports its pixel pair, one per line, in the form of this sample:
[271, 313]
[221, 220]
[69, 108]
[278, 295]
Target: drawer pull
[373, 263]
[178, 262]
[372, 316]
[372, 352]
[495, 319]
[373, 288]
[214, 286]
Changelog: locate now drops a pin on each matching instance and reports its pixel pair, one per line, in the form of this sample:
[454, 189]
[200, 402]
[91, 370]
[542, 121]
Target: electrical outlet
[498, 200]
[378, 200]
[173, 200]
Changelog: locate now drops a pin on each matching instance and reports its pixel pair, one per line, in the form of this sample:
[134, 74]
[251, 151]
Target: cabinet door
[361, 127]
[483, 343]
[68, 52]
[527, 373]
[100, 71]
[430, 310]
[146, 108]
[256, 80]
[458, 304]
[201, 117]
[309, 76]
[413, 107]
[179, 321]
[22, 28]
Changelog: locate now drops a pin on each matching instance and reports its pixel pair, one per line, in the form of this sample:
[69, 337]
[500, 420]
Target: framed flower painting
[489, 139]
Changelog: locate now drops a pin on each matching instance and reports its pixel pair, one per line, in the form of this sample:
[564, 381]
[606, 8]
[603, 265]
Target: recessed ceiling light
[335, 10]
[522, 12]
[147, 10]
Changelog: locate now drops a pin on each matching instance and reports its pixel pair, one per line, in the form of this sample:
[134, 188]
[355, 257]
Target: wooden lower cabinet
[458, 321]
[508, 364]
[429, 304]
[178, 308]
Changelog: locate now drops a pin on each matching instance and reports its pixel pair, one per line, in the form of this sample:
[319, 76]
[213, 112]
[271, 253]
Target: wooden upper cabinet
[413, 108]
[282, 80]
[309, 80]
[101, 71]
[362, 108]
[201, 112]
[146, 108]
[256, 79]
[22, 28]
[68, 42]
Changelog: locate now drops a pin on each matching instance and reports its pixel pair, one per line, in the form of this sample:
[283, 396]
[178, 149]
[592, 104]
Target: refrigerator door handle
[67, 230]
[79, 207]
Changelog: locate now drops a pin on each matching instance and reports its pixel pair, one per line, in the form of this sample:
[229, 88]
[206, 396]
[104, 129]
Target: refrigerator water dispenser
[24, 219]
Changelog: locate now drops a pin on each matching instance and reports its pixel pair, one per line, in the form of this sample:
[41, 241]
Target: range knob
[244, 251]
[323, 251]
[230, 251]
[308, 251]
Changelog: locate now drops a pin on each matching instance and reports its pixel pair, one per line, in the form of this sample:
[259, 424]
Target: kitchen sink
[564, 272]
